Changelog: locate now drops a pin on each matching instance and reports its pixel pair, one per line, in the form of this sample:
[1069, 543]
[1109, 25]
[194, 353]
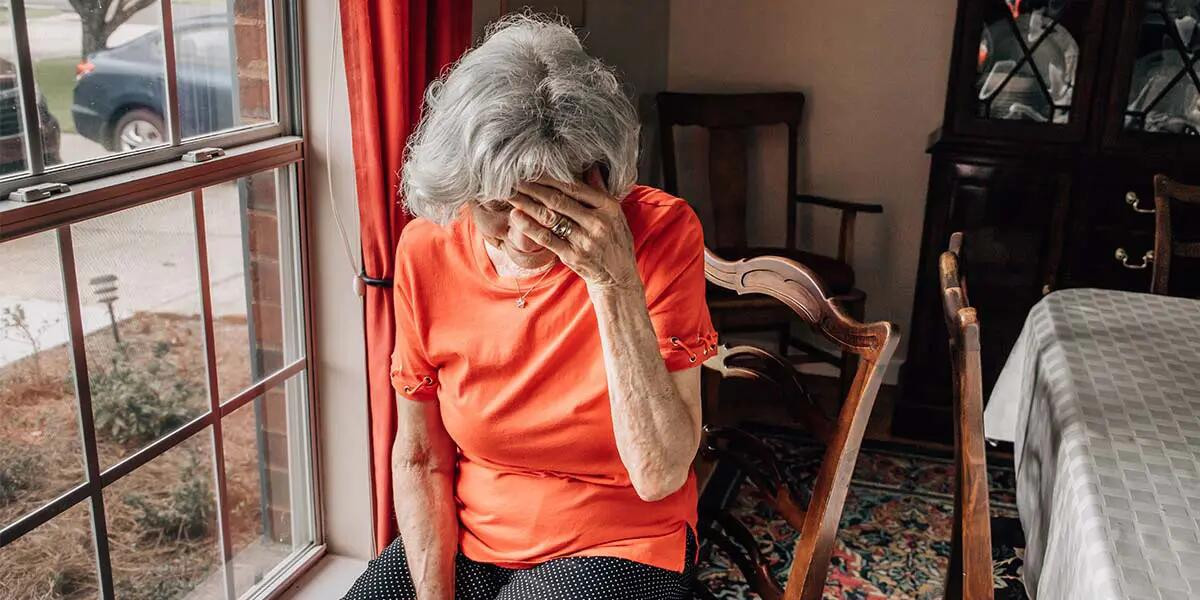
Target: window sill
[330, 577]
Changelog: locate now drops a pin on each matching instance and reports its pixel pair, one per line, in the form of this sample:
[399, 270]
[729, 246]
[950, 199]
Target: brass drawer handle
[1123, 256]
[1132, 199]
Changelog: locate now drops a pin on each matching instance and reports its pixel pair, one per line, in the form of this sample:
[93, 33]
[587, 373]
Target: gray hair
[527, 102]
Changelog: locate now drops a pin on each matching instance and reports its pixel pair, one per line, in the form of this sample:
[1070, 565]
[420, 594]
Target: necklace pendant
[520, 303]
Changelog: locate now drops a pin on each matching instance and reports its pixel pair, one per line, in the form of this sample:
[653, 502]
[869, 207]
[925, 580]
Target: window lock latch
[37, 192]
[203, 155]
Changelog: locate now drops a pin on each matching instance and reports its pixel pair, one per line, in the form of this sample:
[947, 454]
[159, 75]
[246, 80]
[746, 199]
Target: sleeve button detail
[425, 382]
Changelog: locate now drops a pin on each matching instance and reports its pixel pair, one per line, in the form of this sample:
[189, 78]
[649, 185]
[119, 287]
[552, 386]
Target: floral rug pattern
[894, 537]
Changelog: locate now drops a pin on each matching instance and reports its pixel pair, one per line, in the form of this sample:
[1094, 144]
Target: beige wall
[875, 75]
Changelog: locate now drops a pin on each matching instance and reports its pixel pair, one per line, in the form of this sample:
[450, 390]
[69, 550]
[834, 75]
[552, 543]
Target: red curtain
[393, 49]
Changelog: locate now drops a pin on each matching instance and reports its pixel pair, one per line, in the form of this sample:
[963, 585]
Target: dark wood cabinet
[1058, 114]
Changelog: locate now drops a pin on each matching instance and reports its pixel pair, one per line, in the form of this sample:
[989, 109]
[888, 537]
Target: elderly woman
[550, 320]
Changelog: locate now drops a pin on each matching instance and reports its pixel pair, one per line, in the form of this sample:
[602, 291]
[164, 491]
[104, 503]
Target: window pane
[145, 347]
[267, 481]
[98, 94]
[56, 560]
[12, 140]
[251, 243]
[162, 526]
[40, 449]
[222, 65]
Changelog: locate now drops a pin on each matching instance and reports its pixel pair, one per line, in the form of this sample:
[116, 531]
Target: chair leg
[733, 537]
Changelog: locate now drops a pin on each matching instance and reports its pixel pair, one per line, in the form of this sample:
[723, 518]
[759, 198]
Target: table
[1101, 397]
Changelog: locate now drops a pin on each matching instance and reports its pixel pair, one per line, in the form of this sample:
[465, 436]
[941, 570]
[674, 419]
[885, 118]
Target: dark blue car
[12, 136]
[120, 92]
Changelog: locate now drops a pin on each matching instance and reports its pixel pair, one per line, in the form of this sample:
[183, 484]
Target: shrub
[187, 515]
[134, 404]
[19, 471]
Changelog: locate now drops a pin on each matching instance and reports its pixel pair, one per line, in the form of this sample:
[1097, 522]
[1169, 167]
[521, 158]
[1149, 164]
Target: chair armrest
[839, 204]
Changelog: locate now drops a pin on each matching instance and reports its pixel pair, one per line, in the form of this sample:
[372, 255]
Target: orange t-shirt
[523, 393]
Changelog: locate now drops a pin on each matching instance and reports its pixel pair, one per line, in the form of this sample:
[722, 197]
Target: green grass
[56, 80]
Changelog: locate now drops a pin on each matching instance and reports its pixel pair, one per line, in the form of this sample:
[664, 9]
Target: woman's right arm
[423, 464]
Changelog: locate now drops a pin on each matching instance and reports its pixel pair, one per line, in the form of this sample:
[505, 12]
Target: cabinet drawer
[1120, 203]
[1096, 263]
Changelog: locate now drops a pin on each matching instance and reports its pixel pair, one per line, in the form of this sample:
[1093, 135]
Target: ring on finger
[561, 227]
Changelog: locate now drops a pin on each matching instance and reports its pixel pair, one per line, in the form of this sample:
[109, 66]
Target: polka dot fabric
[571, 578]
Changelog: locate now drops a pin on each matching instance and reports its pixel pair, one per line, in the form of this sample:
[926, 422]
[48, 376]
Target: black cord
[371, 281]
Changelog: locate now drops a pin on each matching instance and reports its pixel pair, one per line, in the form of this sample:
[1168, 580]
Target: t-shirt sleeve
[672, 266]
[413, 375]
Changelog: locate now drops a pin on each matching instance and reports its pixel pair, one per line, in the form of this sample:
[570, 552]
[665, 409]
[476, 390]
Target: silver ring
[561, 227]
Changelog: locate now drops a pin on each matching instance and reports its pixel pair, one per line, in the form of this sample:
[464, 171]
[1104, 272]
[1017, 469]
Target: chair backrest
[1171, 196]
[970, 571]
[726, 117]
[798, 288]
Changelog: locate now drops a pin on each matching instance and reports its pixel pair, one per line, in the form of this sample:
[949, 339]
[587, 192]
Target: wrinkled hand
[600, 245]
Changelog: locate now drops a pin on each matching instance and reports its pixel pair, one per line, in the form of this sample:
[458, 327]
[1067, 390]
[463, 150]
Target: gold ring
[561, 227]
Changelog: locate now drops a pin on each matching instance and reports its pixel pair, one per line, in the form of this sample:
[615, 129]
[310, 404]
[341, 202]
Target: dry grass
[40, 435]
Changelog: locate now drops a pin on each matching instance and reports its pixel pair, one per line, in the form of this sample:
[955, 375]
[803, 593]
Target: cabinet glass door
[1164, 87]
[1028, 58]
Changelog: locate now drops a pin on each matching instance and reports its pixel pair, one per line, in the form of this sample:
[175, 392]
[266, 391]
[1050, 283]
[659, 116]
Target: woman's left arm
[656, 413]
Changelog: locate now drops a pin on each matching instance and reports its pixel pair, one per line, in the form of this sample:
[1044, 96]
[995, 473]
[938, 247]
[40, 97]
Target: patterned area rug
[895, 532]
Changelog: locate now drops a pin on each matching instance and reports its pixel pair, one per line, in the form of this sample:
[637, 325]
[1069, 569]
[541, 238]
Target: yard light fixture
[105, 289]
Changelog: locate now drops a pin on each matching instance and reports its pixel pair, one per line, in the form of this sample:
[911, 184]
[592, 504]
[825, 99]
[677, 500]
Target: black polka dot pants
[575, 578]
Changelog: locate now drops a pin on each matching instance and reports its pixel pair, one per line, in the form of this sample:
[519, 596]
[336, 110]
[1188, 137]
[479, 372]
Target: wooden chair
[799, 289]
[1171, 196]
[726, 116]
[970, 571]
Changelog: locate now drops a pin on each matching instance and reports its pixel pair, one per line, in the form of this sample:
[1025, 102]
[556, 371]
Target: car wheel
[136, 129]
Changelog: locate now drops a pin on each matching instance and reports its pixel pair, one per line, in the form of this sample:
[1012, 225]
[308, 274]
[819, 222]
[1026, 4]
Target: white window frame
[118, 182]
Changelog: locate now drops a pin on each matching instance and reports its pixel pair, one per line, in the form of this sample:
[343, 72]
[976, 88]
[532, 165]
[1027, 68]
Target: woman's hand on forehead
[598, 244]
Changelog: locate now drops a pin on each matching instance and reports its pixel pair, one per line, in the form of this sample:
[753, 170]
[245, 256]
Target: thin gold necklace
[496, 255]
[521, 301]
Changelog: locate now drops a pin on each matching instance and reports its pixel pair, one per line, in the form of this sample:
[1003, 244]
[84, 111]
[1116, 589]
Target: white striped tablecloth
[1101, 398]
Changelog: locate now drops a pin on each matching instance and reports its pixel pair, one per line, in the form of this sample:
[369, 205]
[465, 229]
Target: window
[155, 399]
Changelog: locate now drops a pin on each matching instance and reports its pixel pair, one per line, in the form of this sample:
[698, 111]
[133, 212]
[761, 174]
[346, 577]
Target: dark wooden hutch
[1058, 114]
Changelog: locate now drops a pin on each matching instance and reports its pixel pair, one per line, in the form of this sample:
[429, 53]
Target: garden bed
[161, 519]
